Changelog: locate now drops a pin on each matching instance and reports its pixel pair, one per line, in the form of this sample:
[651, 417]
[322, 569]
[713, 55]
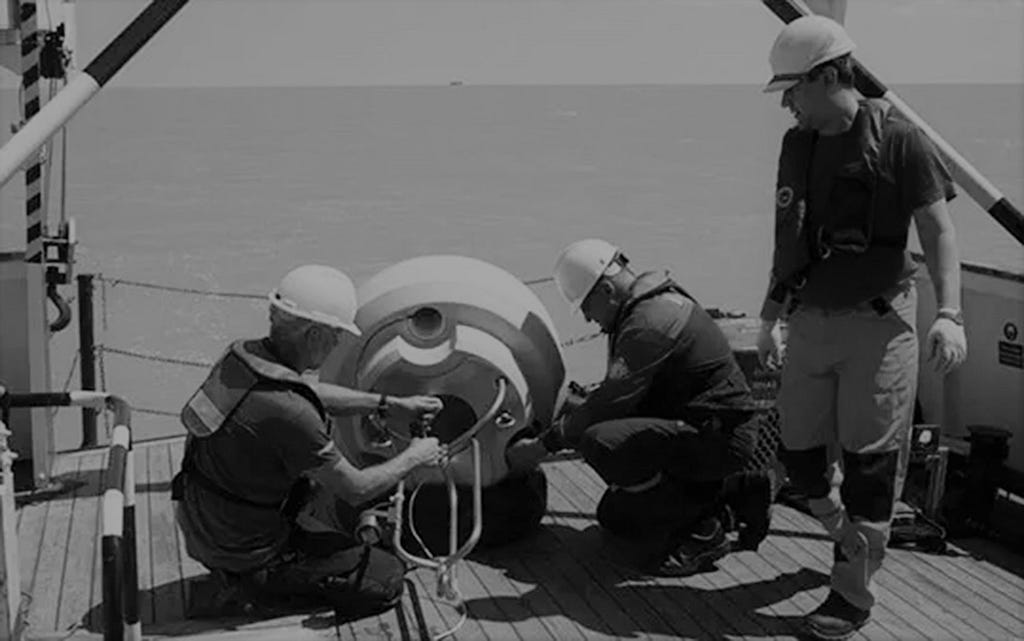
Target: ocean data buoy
[477, 337]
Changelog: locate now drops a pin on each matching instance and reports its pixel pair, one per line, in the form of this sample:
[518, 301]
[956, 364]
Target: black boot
[748, 496]
[836, 619]
[697, 551]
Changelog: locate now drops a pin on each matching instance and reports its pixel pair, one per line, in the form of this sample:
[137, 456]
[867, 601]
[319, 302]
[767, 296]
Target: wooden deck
[567, 582]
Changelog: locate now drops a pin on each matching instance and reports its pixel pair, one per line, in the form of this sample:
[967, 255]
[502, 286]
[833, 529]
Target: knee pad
[868, 488]
[808, 470]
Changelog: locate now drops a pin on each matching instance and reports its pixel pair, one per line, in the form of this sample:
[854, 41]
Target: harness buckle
[880, 305]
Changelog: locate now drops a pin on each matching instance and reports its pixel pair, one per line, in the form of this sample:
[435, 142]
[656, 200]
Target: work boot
[697, 551]
[750, 498]
[835, 619]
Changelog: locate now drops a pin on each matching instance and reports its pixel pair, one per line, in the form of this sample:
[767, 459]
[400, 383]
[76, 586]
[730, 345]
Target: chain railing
[92, 354]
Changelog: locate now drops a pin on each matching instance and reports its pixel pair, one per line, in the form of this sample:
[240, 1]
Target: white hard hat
[581, 265]
[801, 46]
[318, 293]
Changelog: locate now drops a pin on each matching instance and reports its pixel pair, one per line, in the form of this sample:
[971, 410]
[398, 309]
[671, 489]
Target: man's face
[598, 306]
[321, 341]
[808, 100]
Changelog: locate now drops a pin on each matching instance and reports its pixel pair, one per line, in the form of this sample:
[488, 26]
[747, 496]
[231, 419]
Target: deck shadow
[173, 622]
[551, 566]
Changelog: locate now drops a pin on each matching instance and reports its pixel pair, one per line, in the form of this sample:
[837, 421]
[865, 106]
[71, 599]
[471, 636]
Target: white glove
[770, 349]
[946, 345]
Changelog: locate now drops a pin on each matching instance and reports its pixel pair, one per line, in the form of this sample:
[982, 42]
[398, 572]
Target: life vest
[232, 378]
[237, 373]
[852, 201]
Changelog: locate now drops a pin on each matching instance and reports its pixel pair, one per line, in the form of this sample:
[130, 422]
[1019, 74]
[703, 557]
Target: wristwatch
[951, 313]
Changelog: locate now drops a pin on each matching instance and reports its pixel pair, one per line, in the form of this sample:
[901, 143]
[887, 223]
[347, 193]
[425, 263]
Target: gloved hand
[524, 455]
[770, 349]
[946, 345]
[577, 396]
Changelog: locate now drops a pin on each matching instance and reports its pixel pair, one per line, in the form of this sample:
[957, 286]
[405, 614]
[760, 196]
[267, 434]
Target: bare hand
[946, 345]
[426, 451]
[770, 350]
[416, 409]
[525, 455]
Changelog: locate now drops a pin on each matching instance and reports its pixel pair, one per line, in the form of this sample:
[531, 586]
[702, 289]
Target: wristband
[951, 313]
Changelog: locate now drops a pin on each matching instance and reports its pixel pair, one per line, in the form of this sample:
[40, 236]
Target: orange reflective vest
[232, 378]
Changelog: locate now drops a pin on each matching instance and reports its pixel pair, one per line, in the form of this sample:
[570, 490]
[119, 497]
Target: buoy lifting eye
[426, 323]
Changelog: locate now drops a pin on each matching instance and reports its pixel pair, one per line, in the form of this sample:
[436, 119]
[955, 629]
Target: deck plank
[883, 616]
[142, 523]
[471, 586]
[721, 593]
[781, 555]
[668, 617]
[719, 596]
[568, 581]
[598, 609]
[888, 597]
[53, 551]
[190, 568]
[33, 522]
[803, 541]
[505, 596]
[166, 590]
[1008, 600]
[998, 580]
[438, 616]
[963, 600]
[78, 597]
[710, 616]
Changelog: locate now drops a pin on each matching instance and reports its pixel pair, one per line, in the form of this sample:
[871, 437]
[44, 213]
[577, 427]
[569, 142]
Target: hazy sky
[387, 42]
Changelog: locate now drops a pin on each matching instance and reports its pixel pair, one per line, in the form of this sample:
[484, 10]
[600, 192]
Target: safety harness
[800, 245]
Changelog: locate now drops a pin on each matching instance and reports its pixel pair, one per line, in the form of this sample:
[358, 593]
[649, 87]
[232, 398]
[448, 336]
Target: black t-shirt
[911, 174]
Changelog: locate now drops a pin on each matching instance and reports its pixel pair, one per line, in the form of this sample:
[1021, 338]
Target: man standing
[671, 421]
[851, 177]
[257, 436]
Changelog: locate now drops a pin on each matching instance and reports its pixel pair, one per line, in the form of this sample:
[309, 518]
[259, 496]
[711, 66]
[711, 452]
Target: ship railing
[119, 546]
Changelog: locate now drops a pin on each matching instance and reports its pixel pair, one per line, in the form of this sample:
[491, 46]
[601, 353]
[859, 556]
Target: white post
[835, 9]
[10, 570]
[24, 328]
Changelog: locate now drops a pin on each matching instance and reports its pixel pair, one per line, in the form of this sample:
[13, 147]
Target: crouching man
[672, 421]
[257, 440]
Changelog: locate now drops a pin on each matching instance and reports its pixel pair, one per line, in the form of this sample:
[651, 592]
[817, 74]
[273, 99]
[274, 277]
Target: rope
[585, 338]
[71, 372]
[153, 412]
[154, 357]
[67, 381]
[114, 282]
